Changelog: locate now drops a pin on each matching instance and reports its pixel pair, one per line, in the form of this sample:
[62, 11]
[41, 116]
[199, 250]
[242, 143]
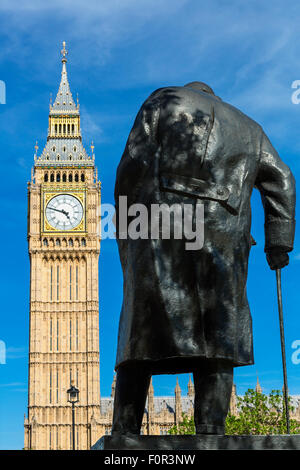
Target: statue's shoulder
[222, 108]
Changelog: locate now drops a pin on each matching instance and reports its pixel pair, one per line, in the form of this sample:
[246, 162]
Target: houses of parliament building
[64, 196]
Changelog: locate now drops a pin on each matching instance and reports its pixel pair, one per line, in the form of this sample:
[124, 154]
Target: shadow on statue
[186, 310]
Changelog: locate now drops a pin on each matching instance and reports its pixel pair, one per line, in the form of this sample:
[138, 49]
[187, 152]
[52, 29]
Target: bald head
[200, 86]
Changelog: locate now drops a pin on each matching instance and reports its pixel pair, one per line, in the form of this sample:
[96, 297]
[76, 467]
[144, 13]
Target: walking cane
[285, 388]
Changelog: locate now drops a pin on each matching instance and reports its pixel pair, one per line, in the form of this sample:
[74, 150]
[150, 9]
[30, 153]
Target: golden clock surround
[48, 194]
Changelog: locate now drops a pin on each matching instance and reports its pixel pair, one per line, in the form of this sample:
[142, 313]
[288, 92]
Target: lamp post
[73, 397]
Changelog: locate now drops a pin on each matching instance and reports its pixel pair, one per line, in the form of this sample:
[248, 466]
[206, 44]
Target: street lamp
[73, 397]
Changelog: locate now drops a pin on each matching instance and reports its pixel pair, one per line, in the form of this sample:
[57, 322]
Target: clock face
[64, 212]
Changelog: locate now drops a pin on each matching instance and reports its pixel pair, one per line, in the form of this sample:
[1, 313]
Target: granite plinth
[199, 442]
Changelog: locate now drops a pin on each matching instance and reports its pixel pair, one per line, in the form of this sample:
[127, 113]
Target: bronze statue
[187, 310]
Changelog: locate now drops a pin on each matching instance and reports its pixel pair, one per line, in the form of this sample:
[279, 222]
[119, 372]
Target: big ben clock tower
[64, 246]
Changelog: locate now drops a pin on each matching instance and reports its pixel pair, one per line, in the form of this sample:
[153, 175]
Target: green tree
[186, 426]
[257, 414]
[260, 414]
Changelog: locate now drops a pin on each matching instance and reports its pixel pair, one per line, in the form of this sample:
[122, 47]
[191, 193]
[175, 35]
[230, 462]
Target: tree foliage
[257, 414]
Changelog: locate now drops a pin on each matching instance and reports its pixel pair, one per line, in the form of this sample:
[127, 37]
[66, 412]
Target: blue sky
[119, 52]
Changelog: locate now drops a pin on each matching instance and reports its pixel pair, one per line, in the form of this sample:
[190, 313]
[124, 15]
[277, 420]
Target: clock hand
[62, 211]
[65, 213]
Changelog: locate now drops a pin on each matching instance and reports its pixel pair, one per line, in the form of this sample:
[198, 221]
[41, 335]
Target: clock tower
[64, 246]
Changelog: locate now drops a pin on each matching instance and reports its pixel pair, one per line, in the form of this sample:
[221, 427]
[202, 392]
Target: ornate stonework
[64, 246]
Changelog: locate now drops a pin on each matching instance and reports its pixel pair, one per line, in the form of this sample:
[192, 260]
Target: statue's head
[201, 87]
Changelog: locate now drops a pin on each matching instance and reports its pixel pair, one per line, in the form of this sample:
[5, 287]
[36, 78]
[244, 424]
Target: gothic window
[52, 177]
[50, 388]
[72, 128]
[76, 282]
[55, 128]
[64, 178]
[51, 282]
[64, 128]
[70, 178]
[70, 242]
[70, 335]
[83, 242]
[58, 157]
[76, 178]
[82, 177]
[75, 148]
[46, 177]
[57, 387]
[60, 128]
[57, 283]
[53, 149]
[57, 242]
[57, 334]
[70, 282]
[45, 242]
[68, 128]
[58, 174]
[64, 148]
[50, 339]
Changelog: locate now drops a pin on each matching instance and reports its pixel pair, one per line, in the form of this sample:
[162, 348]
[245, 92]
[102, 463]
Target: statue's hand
[277, 258]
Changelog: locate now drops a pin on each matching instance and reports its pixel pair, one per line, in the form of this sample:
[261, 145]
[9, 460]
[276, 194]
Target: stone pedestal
[199, 442]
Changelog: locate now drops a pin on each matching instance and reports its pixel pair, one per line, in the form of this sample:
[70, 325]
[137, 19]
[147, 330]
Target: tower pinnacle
[64, 52]
[64, 141]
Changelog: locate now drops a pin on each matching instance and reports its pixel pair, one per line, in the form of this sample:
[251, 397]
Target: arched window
[83, 242]
[76, 177]
[64, 178]
[82, 177]
[70, 178]
[70, 242]
[45, 242]
[58, 177]
[46, 177]
[57, 242]
[52, 177]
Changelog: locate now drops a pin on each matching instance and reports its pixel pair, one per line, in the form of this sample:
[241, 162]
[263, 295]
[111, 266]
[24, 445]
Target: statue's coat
[179, 306]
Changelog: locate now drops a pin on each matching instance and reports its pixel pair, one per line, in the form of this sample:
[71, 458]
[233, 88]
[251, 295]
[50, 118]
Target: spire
[64, 141]
[151, 389]
[177, 388]
[191, 389]
[258, 388]
[64, 103]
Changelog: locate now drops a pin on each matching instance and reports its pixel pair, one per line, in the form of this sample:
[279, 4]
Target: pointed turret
[64, 103]
[191, 388]
[178, 405]
[258, 388]
[113, 386]
[64, 142]
[177, 388]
